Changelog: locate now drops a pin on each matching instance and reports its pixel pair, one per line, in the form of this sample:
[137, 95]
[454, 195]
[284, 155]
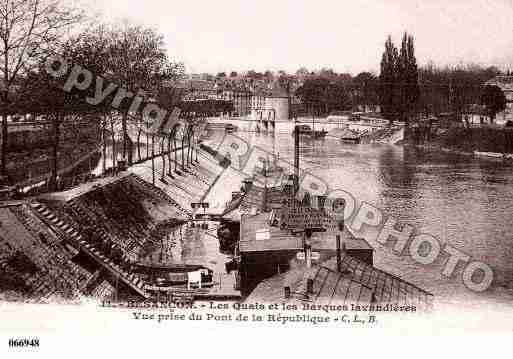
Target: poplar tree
[387, 79]
[399, 87]
[410, 78]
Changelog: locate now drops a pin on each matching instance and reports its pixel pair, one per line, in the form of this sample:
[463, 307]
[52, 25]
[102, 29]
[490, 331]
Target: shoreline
[506, 158]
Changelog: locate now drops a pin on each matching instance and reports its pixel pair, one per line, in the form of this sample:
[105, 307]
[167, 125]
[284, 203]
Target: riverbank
[504, 158]
[465, 139]
[437, 148]
[494, 144]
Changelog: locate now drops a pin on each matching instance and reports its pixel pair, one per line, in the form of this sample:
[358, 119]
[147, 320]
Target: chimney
[247, 184]
[235, 195]
[308, 256]
[288, 184]
[309, 286]
[321, 202]
[373, 297]
[287, 292]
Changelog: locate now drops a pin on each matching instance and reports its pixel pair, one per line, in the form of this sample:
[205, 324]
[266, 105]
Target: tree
[327, 73]
[302, 72]
[253, 75]
[97, 51]
[494, 100]
[138, 60]
[312, 92]
[365, 89]
[90, 49]
[169, 98]
[233, 74]
[322, 96]
[388, 79]
[338, 98]
[29, 31]
[434, 90]
[399, 88]
[286, 82]
[408, 78]
[452, 89]
[44, 95]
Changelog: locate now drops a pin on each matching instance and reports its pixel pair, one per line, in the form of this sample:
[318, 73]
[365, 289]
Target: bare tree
[287, 83]
[138, 60]
[141, 125]
[29, 29]
[42, 93]
[90, 49]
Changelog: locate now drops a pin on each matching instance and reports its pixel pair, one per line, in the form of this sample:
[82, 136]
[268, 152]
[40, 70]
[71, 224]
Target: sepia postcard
[309, 178]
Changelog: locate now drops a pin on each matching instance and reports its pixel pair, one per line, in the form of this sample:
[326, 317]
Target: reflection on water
[460, 200]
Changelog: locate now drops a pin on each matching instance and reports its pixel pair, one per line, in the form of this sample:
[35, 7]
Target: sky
[346, 35]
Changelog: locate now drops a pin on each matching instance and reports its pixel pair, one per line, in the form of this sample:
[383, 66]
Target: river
[462, 201]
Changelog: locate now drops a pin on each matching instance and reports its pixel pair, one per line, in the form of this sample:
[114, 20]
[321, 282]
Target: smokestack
[309, 286]
[286, 292]
[247, 184]
[308, 256]
[235, 195]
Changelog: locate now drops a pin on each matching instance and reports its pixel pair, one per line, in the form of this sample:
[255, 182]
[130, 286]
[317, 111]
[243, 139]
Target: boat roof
[356, 283]
[257, 235]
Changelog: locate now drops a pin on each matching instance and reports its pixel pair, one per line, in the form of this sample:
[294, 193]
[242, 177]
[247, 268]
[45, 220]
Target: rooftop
[35, 262]
[356, 283]
[257, 235]
[257, 207]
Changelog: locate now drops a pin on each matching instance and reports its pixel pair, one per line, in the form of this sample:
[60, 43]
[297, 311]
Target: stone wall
[22, 136]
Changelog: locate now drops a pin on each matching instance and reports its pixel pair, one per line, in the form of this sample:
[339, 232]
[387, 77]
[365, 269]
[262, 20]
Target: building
[278, 100]
[271, 103]
[240, 98]
[505, 83]
[196, 89]
[265, 102]
[477, 115]
[203, 77]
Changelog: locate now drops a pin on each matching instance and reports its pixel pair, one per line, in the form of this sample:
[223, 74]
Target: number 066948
[24, 343]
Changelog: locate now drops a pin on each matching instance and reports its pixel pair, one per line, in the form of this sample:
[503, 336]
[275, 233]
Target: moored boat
[354, 140]
[305, 130]
[230, 128]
